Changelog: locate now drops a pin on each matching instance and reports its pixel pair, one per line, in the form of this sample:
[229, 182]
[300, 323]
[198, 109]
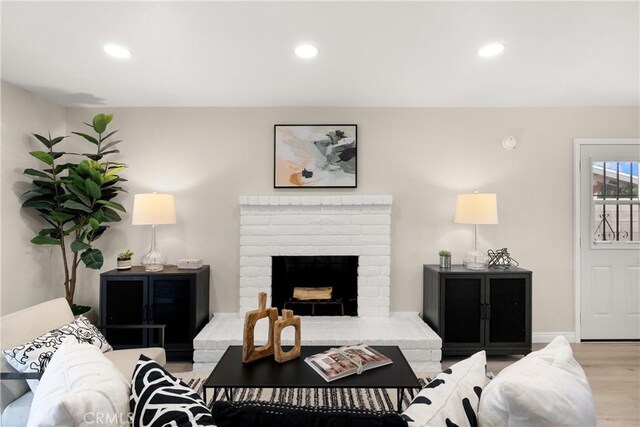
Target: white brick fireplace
[317, 225]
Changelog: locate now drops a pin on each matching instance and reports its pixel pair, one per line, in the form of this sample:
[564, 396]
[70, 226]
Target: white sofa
[25, 325]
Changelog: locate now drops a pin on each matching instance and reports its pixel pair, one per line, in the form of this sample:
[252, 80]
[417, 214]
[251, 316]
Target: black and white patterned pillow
[452, 398]
[35, 355]
[160, 399]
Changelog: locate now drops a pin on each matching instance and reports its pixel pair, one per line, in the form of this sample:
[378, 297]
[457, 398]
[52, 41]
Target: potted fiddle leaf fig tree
[74, 196]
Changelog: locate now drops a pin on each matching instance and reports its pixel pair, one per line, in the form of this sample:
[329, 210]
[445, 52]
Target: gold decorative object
[288, 319]
[249, 351]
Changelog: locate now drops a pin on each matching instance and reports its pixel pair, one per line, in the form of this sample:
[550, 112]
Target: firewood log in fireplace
[306, 294]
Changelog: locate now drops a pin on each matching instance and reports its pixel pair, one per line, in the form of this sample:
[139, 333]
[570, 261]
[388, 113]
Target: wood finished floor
[613, 371]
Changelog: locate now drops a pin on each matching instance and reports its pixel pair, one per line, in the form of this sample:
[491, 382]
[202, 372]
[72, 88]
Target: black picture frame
[315, 156]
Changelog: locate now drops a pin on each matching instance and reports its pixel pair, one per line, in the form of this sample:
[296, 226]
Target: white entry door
[609, 239]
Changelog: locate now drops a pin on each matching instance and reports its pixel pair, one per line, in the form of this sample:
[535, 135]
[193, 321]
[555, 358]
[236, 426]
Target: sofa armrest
[20, 376]
[160, 327]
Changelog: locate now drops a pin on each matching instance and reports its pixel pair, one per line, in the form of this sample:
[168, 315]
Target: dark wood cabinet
[176, 298]
[476, 310]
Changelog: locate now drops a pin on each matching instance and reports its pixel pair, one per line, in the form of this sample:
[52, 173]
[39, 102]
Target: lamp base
[475, 260]
[153, 261]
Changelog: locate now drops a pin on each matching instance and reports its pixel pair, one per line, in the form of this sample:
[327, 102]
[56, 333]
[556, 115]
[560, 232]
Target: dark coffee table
[231, 373]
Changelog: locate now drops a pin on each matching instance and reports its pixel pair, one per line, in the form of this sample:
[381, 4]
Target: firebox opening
[292, 273]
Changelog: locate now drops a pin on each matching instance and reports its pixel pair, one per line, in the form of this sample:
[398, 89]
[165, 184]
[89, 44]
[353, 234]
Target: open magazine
[341, 362]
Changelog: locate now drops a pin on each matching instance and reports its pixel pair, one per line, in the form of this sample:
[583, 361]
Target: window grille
[615, 207]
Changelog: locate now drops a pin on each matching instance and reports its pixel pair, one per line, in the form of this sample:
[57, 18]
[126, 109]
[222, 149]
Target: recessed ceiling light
[492, 49]
[306, 51]
[116, 51]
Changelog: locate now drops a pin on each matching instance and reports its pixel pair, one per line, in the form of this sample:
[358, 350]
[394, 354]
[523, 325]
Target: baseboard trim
[547, 337]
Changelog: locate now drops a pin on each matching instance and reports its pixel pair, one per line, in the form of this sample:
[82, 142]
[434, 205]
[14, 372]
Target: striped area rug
[376, 399]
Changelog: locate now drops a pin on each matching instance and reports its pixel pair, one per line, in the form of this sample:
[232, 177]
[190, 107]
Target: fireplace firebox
[340, 273]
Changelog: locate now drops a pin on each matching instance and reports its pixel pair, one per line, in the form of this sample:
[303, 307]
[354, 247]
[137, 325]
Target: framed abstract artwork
[315, 156]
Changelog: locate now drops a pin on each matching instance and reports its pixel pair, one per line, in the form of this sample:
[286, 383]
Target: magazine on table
[341, 362]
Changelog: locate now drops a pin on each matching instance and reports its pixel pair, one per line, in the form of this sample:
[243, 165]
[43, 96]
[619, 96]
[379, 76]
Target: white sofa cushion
[546, 388]
[35, 355]
[80, 387]
[452, 397]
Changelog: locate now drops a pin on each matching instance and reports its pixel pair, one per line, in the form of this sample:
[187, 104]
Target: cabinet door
[508, 314]
[170, 299]
[462, 298]
[124, 302]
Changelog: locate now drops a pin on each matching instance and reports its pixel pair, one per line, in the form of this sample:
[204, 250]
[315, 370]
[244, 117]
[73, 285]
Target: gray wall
[208, 157]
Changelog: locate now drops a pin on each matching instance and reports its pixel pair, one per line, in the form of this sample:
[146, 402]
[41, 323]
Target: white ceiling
[408, 54]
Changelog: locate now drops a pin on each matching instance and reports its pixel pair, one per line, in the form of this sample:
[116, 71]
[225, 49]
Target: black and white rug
[377, 399]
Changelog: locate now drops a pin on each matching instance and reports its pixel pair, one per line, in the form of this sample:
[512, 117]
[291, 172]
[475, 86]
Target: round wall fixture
[509, 142]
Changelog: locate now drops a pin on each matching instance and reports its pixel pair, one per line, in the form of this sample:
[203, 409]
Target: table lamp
[153, 209]
[476, 209]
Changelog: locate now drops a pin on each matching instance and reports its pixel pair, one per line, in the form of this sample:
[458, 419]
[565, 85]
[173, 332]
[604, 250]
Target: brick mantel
[317, 225]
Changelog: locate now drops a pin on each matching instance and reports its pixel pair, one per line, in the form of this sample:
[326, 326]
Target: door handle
[487, 311]
[482, 311]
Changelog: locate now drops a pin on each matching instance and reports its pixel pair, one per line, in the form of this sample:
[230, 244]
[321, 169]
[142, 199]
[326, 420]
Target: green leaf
[73, 205]
[35, 172]
[92, 188]
[115, 171]
[36, 192]
[113, 205]
[98, 233]
[95, 157]
[111, 144]
[42, 156]
[87, 137]
[79, 193]
[111, 215]
[94, 223]
[100, 122]
[99, 215]
[38, 204]
[92, 258]
[71, 229]
[54, 141]
[47, 231]
[62, 216]
[79, 245]
[109, 134]
[104, 153]
[44, 240]
[42, 139]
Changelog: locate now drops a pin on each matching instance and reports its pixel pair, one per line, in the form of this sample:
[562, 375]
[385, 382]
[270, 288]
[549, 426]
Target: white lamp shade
[476, 208]
[153, 209]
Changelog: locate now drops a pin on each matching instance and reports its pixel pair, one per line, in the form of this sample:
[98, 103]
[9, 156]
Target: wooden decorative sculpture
[288, 319]
[249, 351]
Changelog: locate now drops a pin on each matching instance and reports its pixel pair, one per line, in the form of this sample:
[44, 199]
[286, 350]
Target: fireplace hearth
[340, 273]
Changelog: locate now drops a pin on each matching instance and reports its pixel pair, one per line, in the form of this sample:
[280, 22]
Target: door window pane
[615, 202]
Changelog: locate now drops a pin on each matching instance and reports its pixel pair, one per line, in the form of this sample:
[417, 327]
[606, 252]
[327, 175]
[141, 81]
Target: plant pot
[90, 314]
[445, 262]
[124, 264]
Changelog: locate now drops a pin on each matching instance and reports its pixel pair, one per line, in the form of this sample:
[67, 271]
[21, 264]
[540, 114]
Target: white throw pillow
[80, 387]
[452, 397]
[35, 355]
[545, 388]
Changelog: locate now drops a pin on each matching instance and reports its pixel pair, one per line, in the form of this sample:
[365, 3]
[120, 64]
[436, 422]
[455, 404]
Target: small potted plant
[445, 259]
[124, 260]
